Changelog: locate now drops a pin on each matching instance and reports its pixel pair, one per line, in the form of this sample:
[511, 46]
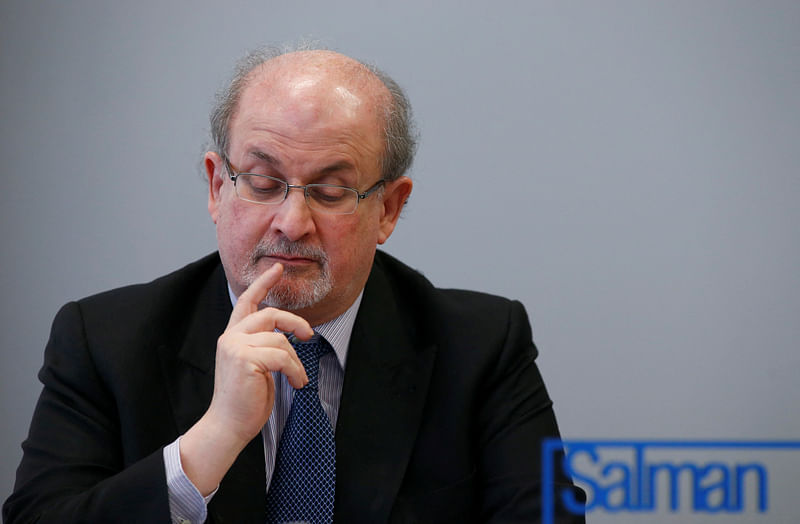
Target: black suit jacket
[441, 416]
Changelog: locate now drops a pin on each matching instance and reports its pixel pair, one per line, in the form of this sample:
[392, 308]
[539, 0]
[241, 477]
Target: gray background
[629, 170]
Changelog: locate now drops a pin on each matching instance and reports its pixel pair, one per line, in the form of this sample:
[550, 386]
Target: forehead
[312, 99]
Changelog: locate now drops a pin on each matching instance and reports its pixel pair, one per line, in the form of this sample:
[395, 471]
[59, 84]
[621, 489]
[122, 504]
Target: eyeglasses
[325, 198]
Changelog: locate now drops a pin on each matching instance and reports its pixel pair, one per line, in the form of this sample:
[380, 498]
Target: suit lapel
[188, 362]
[386, 382]
[188, 351]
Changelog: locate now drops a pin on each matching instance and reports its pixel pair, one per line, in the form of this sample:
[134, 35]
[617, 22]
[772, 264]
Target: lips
[290, 259]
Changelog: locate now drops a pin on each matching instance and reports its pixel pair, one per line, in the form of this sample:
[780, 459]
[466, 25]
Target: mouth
[294, 256]
[290, 260]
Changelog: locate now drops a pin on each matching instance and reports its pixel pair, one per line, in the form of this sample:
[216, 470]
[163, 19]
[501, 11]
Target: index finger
[255, 293]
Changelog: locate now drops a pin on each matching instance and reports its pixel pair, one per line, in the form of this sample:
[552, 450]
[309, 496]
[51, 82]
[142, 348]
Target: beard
[298, 288]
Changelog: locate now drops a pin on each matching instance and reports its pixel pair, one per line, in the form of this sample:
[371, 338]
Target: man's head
[307, 117]
[398, 126]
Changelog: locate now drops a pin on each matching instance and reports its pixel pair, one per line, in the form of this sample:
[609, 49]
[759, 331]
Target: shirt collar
[337, 331]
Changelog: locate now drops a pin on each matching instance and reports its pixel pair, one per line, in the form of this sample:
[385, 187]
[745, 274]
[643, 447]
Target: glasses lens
[261, 189]
[332, 199]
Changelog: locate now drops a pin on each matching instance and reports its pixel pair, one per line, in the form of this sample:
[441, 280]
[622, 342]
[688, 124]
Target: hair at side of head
[399, 132]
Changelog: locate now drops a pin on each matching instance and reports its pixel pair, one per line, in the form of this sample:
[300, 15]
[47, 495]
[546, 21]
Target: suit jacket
[441, 415]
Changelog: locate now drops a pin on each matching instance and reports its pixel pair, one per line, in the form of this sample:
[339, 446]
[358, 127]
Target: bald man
[186, 399]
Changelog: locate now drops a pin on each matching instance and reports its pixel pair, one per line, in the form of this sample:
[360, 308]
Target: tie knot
[309, 353]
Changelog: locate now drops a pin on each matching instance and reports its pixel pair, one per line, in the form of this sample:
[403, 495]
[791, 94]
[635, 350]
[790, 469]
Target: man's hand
[244, 391]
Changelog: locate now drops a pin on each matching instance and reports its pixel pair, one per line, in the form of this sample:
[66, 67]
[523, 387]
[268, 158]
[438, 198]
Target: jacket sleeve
[515, 419]
[74, 467]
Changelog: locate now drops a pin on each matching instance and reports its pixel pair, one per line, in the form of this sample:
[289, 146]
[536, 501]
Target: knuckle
[282, 358]
[230, 345]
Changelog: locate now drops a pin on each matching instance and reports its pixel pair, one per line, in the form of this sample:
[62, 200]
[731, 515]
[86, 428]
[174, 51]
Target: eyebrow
[338, 166]
[265, 157]
[274, 162]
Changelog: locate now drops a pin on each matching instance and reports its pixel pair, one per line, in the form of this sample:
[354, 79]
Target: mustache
[284, 247]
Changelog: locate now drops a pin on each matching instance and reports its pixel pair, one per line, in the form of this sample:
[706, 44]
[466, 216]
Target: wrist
[207, 452]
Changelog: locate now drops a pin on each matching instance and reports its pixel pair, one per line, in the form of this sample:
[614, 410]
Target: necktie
[304, 481]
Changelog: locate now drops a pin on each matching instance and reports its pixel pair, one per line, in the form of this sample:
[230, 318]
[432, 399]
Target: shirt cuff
[186, 504]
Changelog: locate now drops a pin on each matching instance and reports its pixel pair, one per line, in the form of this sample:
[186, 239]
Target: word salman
[655, 476]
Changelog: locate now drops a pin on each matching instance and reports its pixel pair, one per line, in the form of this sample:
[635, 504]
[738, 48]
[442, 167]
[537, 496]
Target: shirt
[186, 504]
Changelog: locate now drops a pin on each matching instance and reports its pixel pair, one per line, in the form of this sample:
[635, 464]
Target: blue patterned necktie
[304, 481]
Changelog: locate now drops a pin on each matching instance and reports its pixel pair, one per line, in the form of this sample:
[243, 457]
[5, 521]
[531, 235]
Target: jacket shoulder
[145, 315]
[407, 281]
[442, 312]
[160, 288]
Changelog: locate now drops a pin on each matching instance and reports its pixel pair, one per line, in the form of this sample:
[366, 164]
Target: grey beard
[296, 298]
[292, 292]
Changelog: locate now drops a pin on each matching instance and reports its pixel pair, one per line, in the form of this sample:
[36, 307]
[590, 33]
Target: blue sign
[704, 477]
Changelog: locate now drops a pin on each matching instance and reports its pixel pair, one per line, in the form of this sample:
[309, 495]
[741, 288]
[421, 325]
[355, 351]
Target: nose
[293, 218]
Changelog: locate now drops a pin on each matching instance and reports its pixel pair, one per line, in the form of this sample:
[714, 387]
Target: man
[185, 399]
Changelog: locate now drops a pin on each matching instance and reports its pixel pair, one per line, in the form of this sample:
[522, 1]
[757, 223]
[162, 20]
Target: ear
[215, 172]
[395, 195]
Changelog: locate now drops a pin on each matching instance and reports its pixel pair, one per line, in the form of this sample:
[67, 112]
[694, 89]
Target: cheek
[237, 230]
[350, 246]
[348, 236]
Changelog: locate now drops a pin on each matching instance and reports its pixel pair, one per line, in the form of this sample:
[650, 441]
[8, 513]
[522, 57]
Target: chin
[298, 295]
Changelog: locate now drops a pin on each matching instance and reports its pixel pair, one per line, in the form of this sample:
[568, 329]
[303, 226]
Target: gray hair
[399, 130]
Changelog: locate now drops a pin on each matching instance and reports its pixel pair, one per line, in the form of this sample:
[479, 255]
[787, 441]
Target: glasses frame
[234, 175]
